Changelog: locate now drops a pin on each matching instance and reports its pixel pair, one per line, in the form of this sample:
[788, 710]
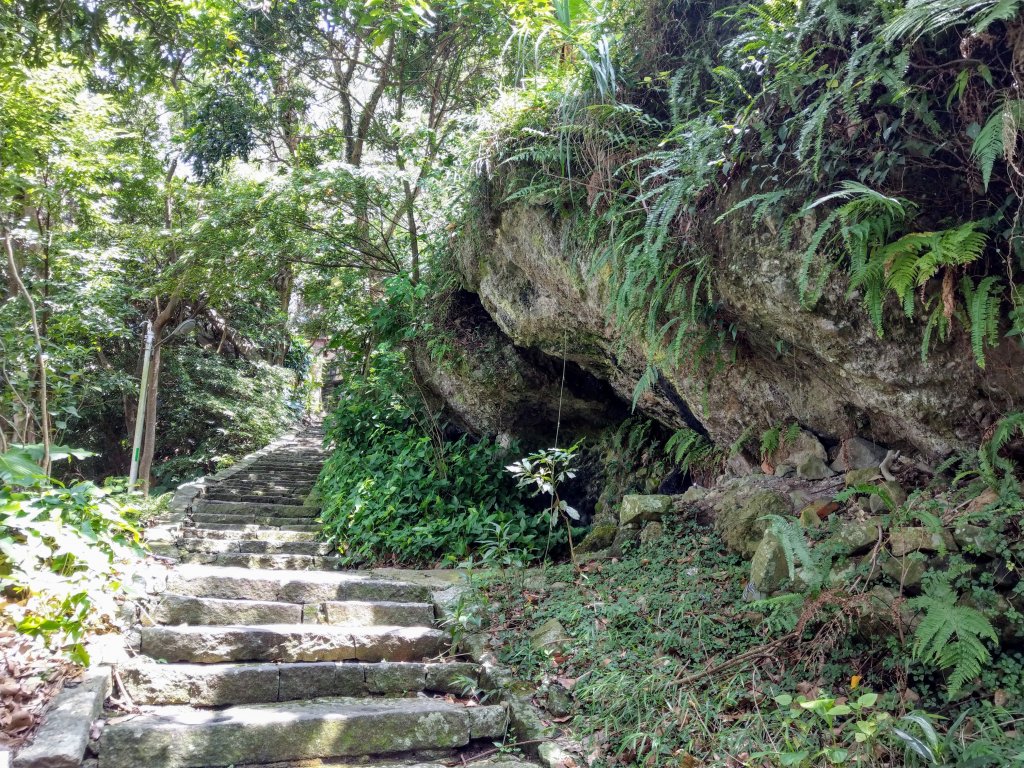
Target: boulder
[866, 476]
[812, 514]
[626, 535]
[975, 540]
[740, 521]
[905, 540]
[858, 453]
[906, 571]
[652, 532]
[769, 571]
[600, 537]
[549, 636]
[855, 536]
[794, 452]
[895, 493]
[813, 468]
[638, 508]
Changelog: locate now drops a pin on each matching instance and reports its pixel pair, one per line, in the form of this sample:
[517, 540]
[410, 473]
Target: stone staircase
[252, 653]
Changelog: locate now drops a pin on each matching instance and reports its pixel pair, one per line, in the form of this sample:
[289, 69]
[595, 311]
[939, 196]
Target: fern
[930, 17]
[997, 470]
[771, 439]
[983, 304]
[795, 548]
[951, 636]
[997, 138]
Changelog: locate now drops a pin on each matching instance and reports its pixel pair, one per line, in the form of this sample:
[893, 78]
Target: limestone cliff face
[825, 368]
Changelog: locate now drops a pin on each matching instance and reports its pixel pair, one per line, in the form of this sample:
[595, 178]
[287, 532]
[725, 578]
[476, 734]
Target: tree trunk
[44, 406]
[149, 436]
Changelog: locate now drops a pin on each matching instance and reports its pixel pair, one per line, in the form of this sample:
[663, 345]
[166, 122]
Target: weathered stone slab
[311, 548]
[63, 736]
[450, 678]
[389, 677]
[281, 642]
[398, 643]
[905, 540]
[361, 613]
[291, 642]
[638, 508]
[200, 684]
[308, 587]
[314, 679]
[304, 730]
[253, 508]
[248, 533]
[487, 722]
[186, 609]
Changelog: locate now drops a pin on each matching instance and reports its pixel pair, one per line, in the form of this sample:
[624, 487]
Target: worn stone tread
[281, 562]
[214, 685]
[282, 586]
[290, 642]
[182, 737]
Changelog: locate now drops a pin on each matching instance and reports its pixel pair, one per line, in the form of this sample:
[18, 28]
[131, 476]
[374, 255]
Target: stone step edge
[214, 685]
[310, 614]
[530, 727]
[215, 644]
[295, 731]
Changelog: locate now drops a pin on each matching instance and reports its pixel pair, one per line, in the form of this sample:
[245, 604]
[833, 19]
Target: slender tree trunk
[149, 436]
[44, 414]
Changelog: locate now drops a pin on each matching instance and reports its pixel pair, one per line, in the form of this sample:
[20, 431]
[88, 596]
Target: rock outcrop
[824, 368]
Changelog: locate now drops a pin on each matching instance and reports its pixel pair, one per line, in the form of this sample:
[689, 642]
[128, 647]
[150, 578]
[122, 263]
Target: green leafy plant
[541, 473]
[64, 555]
[951, 636]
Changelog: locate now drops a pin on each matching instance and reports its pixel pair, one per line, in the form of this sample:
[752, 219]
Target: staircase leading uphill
[253, 655]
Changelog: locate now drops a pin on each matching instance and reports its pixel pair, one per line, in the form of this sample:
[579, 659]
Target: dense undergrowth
[396, 489]
[665, 664]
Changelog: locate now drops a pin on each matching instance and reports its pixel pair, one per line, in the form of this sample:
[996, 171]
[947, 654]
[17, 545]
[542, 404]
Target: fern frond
[988, 145]
[983, 303]
[930, 17]
[951, 636]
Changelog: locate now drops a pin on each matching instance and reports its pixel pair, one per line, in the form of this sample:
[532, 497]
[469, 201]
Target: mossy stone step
[243, 508]
[261, 528]
[291, 642]
[306, 587]
[247, 533]
[263, 561]
[181, 737]
[249, 546]
[172, 609]
[217, 685]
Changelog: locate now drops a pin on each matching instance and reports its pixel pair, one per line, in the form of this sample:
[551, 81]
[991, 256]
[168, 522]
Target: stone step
[291, 642]
[299, 491]
[181, 737]
[188, 609]
[250, 546]
[260, 529]
[257, 486]
[306, 587]
[266, 562]
[242, 508]
[255, 498]
[204, 519]
[218, 685]
[248, 533]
